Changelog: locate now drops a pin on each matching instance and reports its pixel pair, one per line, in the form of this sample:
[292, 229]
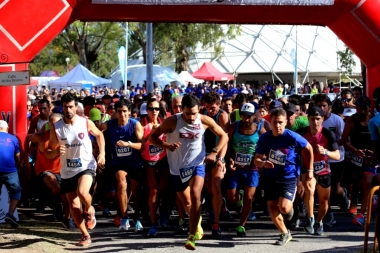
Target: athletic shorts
[163, 163]
[275, 189]
[360, 171]
[71, 184]
[323, 180]
[180, 186]
[42, 175]
[243, 177]
[12, 183]
[135, 173]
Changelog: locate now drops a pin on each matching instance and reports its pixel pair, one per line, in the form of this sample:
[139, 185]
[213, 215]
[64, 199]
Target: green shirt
[298, 123]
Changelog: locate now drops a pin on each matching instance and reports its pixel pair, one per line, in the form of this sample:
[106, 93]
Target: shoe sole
[92, 226]
[84, 245]
[289, 239]
[189, 247]
[11, 222]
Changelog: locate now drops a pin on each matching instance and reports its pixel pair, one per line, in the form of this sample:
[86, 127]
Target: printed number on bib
[243, 159]
[319, 167]
[73, 163]
[186, 173]
[277, 157]
[123, 151]
[356, 160]
[154, 150]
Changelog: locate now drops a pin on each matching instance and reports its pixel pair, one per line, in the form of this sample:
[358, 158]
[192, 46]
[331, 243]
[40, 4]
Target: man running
[243, 136]
[325, 147]
[70, 140]
[280, 147]
[185, 141]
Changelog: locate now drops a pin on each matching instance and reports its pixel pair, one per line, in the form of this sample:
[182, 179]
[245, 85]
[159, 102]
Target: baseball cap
[363, 100]
[315, 111]
[347, 112]
[274, 104]
[95, 114]
[289, 107]
[143, 109]
[256, 105]
[248, 109]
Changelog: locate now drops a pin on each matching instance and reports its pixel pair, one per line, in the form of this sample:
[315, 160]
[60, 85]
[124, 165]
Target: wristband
[129, 143]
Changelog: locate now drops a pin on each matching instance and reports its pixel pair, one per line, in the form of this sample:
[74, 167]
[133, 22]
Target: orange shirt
[267, 117]
[42, 163]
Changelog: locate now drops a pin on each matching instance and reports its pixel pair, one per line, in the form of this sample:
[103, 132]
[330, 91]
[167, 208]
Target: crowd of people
[173, 148]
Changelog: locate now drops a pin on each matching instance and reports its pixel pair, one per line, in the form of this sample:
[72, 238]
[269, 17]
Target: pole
[126, 60]
[149, 57]
[296, 65]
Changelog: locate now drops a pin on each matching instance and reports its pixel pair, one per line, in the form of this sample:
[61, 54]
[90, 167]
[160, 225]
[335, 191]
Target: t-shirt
[374, 128]
[298, 123]
[282, 151]
[9, 147]
[324, 138]
[335, 124]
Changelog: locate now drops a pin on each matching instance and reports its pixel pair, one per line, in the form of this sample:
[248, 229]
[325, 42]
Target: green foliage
[346, 59]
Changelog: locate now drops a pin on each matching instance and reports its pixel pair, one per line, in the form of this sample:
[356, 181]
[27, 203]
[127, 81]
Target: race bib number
[123, 151]
[73, 163]
[277, 157]
[186, 173]
[319, 167]
[356, 160]
[154, 150]
[243, 159]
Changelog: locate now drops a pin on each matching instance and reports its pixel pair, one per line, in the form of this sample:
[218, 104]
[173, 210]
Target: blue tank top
[123, 155]
[244, 147]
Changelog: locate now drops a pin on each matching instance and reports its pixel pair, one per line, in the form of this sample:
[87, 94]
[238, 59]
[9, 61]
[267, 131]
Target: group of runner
[288, 153]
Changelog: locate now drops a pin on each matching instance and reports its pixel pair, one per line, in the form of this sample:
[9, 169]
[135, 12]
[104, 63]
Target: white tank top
[78, 156]
[40, 124]
[192, 151]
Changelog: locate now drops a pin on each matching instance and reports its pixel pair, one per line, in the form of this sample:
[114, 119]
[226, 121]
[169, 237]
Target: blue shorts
[245, 177]
[275, 189]
[199, 170]
[12, 183]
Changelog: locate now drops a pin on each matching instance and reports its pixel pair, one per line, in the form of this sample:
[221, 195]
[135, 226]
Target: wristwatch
[222, 160]
[129, 143]
[326, 152]
[214, 150]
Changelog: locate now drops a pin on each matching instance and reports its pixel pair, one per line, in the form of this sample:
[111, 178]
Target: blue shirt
[132, 94]
[9, 147]
[189, 90]
[234, 91]
[374, 128]
[283, 151]
[220, 92]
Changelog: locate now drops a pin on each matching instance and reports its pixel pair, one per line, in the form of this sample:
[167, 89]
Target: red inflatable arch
[27, 26]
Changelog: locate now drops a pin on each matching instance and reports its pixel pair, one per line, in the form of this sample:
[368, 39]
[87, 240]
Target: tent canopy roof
[210, 73]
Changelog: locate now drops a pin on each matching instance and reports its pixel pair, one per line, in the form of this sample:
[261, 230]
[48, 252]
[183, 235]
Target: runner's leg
[121, 177]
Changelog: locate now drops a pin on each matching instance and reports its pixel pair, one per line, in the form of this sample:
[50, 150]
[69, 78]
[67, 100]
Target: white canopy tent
[136, 74]
[78, 77]
[186, 77]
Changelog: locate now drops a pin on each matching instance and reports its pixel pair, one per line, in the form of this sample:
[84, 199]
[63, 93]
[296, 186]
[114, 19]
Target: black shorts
[71, 184]
[274, 189]
[337, 170]
[323, 180]
[42, 175]
[135, 173]
[163, 163]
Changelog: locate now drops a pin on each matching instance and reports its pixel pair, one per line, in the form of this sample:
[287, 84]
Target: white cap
[348, 112]
[248, 108]
[143, 109]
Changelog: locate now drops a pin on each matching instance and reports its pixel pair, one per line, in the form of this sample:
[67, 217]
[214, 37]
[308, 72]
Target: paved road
[38, 235]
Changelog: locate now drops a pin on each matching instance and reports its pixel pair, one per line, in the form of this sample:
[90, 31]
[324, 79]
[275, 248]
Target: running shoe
[309, 228]
[284, 238]
[129, 208]
[89, 218]
[318, 228]
[359, 219]
[152, 231]
[251, 216]
[117, 221]
[138, 226]
[211, 217]
[163, 218]
[181, 225]
[10, 219]
[240, 231]
[216, 231]
[68, 224]
[85, 241]
[330, 220]
[239, 203]
[353, 210]
[124, 224]
[345, 203]
[106, 212]
[199, 233]
[190, 243]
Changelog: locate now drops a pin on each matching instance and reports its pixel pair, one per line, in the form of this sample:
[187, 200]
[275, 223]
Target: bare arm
[167, 126]
[100, 140]
[52, 150]
[310, 158]
[33, 125]
[217, 130]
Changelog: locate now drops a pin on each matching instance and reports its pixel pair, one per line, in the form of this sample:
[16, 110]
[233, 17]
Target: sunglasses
[153, 108]
[346, 100]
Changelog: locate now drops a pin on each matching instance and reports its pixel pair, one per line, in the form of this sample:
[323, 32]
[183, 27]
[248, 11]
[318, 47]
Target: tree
[346, 59]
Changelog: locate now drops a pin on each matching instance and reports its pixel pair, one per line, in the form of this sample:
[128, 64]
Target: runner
[280, 147]
[215, 171]
[9, 156]
[324, 147]
[357, 139]
[37, 123]
[125, 135]
[243, 136]
[156, 168]
[185, 141]
[69, 139]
